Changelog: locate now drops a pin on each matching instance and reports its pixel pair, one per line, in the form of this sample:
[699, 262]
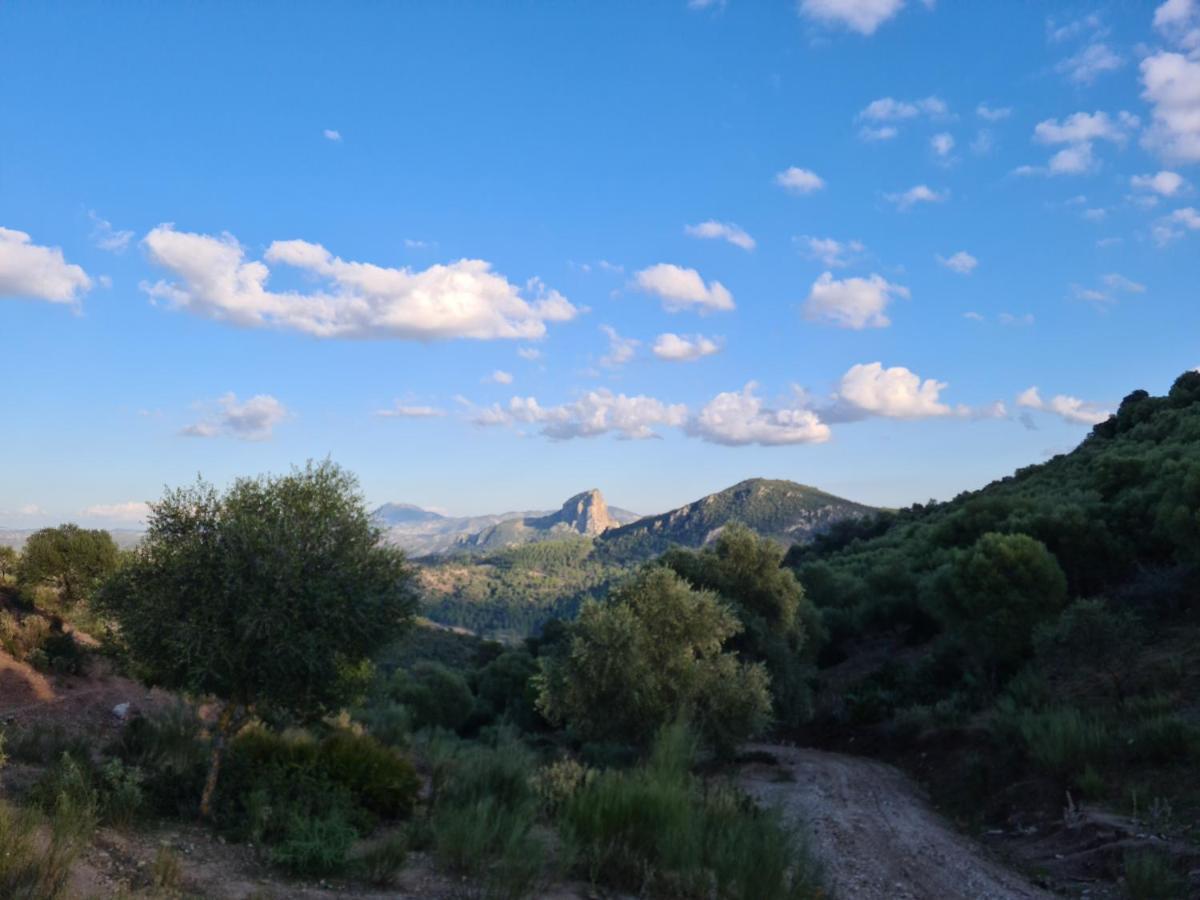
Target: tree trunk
[225, 726]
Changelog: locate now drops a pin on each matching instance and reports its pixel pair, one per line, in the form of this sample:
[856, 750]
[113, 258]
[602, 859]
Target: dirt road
[875, 832]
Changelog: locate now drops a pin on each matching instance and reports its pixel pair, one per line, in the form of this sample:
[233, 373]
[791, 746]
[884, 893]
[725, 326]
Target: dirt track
[875, 832]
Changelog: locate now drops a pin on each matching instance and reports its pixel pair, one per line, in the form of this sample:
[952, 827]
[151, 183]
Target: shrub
[314, 845]
[172, 755]
[1149, 876]
[38, 743]
[558, 782]
[1063, 741]
[378, 777]
[1165, 738]
[381, 862]
[438, 696]
[31, 869]
[61, 654]
[390, 723]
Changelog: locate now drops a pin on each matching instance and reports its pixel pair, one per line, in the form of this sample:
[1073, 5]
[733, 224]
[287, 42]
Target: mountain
[584, 514]
[783, 510]
[421, 532]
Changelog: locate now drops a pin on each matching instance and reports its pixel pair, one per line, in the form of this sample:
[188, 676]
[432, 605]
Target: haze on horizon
[487, 258]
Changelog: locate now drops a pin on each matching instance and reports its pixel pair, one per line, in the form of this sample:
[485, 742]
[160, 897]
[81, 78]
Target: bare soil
[875, 831]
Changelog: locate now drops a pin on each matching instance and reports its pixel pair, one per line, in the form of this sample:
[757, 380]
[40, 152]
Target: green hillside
[782, 510]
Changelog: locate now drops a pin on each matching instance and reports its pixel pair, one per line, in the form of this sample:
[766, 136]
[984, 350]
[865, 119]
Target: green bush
[378, 777]
[438, 696]
[381, 862]
[1149, 876]
[1164, 738]
[168, 747]
[314, 845]
[61, 654]
[389, 723]
[657, 830]
[1063, 741]
[33, 869]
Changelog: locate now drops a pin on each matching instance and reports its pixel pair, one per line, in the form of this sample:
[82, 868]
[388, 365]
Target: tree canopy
[265, 596]
[75, 560]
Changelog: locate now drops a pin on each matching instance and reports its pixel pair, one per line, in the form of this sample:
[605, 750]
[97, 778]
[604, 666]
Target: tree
[651, 653]
[780, 627]
[437, 695]
[996, 592]
[1093, 636]
[8, 562]
[74, 559]
[263, 597]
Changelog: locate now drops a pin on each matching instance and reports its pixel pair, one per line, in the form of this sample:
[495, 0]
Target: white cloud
[407, 411]
[684, 348]
[332, 135]
[253, 420]
[883, 133]
[106, 237]
[464, 299]
[895, 393]
[682, 289]
[725, 231]
[863, 16]
[596, 413]
[1071, 409]
[920, 193]
[1170, 228]
[1074, 160]
[799, 181]
[1058, 32]
[706, 4]
[740, 418]
[498, 377]
[853, 302]
[889, 109]
[1089, 63]
[1171, 84]
[1081, 127]
[1112, 286]
[832, 253]
[1179, 22]
[1015, 320]
[620, 349]
[130, 511]
[1164, 183]
[33, 272]
[961, 262]
[529, 354]
[942, 144]
[992, 113]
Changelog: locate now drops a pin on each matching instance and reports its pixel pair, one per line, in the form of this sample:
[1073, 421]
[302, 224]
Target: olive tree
[75, 560]
[652, 652]
[8, 562]
[264, 597]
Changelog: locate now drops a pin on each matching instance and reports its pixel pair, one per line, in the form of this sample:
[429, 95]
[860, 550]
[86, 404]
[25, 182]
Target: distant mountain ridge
[422, 532]
[782, 510]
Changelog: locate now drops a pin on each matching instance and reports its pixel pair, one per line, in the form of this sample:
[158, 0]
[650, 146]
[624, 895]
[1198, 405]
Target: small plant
[314, 846]
[31, 869]
[166, 873]
[1090, 783]
[1063, 741]
[382, 862]
[121, 796]
[1149, 876]
[558, 782]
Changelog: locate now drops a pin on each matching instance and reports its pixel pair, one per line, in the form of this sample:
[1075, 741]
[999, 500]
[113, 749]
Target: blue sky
[835, 241]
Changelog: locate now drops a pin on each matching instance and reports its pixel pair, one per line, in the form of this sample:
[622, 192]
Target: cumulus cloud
[1079, 131]
[464, 299]
[863, 16]
[498, 377]
[799, 181]
[832, 253]
[332, 134]
[106, 237]
[620, 349]
[32, 272]
[409, 411]
[740, 418]
[595, 413]
[684, 348]
[1090, 63]
[880, 117]
[1172, 227]
[868, 389]
[725, 231]
[961, 262]
[920, 193]
[253, 420]
[1070, 409]
[1165, 184]
[1171, 85]
[682, 289]
[992, 113]
[942, 144]
[1179, 22]
[129, 511]
[852, 302]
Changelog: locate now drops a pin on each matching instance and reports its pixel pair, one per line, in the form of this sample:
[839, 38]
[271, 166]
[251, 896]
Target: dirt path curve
[875, 832]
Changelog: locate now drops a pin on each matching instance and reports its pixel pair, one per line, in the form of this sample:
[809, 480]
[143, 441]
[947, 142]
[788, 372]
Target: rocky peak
[586, 513]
